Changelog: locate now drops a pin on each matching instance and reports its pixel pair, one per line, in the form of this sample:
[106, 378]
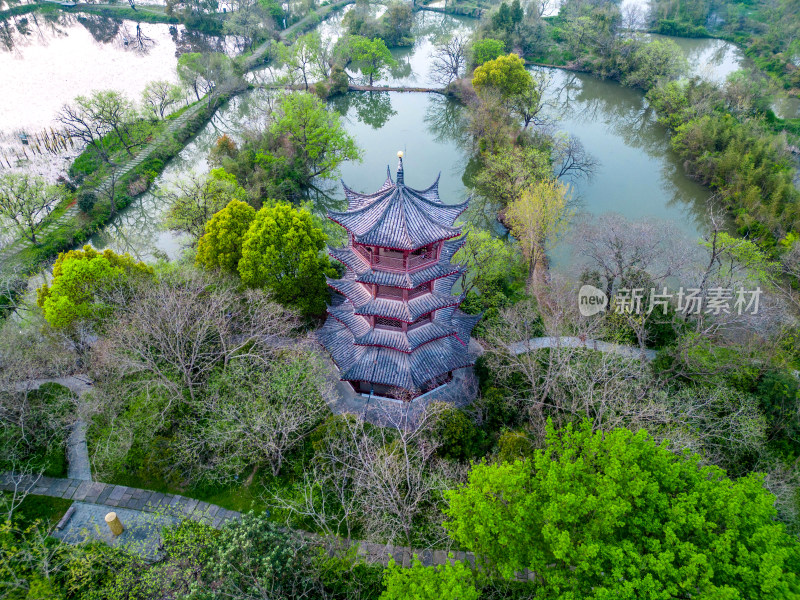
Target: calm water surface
[47, 60]
[638, 176]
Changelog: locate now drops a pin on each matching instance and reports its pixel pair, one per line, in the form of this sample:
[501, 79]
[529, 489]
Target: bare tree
[385, 483]
[449, 59]
[178, 330]
[25, 200]
[571, 159]
[253, 415]
[159, 96]
[614, 247]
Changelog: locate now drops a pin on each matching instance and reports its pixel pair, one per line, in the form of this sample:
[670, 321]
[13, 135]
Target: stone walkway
[77, 451]
[78, 454]
[110, 496]
[576, 342]
[120, 496]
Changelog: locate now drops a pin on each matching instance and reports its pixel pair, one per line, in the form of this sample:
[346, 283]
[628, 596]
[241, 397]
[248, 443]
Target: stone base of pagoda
[373, 390]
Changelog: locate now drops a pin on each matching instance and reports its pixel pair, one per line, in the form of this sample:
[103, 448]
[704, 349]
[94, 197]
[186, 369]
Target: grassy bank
[77, 229]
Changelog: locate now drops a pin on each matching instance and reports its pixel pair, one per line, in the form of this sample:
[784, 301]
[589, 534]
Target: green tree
[488, 258]
[195, 199]
[487, 49]
[204, 72]
[506, 173]
[616, 515]
[538, 219]
[83, 281]
[505, 75]
[654, 61]
[396, 24]
[302, 57]
[318, 142]
[221, 246]
[282, 252]
[372, 56]
[92, 118]
[517, 14]
[443, 582]
[24, 202]
[502, 19]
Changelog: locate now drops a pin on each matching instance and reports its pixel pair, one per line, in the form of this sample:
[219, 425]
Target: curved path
[181, 507]
[539, 343]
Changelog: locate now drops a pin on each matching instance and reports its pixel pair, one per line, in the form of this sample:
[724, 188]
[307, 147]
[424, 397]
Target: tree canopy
[24, 202]
[282, 253]
[371, 56]
[80, 277]
[221, 246]
[195, 199]
[616, 515]
[505, 74]
[487, 49]
[318, 142]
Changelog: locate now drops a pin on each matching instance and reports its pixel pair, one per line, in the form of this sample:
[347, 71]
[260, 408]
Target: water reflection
[372, 108]
[638, 175]
[44, 60]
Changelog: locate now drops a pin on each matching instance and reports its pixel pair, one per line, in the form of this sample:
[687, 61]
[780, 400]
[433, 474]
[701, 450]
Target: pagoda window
[389, 292]
[421, 320]
[387, 323]
[420, 290]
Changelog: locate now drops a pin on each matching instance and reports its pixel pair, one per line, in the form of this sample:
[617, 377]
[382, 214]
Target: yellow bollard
[114, 524]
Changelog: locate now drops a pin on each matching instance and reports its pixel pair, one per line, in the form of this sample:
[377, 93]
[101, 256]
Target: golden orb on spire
[400, 154]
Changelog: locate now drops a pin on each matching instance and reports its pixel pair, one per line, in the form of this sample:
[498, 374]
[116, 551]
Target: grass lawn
[49, 510]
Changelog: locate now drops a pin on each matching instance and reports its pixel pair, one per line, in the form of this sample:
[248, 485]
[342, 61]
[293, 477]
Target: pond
[638, 176]
[46, 59]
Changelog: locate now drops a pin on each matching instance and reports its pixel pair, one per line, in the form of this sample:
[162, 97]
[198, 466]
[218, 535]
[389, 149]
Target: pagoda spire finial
[399, 177]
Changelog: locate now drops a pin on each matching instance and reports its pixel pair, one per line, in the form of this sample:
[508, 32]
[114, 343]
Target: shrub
[86, 201]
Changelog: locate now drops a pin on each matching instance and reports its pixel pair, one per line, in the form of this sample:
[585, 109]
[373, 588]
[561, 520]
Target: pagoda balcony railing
[417, 292]
[396, 263]
[390, 293]
[412, 263]
[421, 260]
[365, 254]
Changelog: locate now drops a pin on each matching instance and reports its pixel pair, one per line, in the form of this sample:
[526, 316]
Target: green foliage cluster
[429, 583]
[34, 430]
[303, 142]
[278, 248]
[616, 515]
[76, 231]
[768, 30]
[393, 27]
[734, 154]
[80, 279]
[487, 49]
[247, 558]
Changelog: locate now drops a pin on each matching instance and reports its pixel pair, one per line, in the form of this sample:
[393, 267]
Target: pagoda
[394, 328]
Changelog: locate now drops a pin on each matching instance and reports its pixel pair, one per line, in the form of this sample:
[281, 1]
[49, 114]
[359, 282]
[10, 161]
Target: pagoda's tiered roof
[388, 366]
[398, 217]
[449, 321]
[365, 304]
